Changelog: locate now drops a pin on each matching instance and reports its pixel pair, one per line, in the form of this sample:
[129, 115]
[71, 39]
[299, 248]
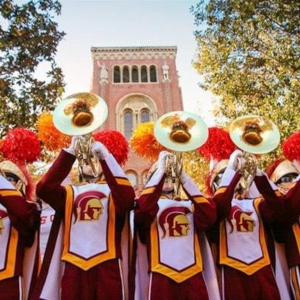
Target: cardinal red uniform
[94, 215]
[170, 228]
[246, 245]
[19, 221]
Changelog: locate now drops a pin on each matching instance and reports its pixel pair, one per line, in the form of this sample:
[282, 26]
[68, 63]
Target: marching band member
[246, 245]
[285, 174]
[19, 223]
[94, 215]
[170, 227]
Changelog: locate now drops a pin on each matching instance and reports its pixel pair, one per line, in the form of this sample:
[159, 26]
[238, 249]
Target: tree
[28, 39]
[249, 56]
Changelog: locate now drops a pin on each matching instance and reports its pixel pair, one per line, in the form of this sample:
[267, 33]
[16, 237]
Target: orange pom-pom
[144, 143]
[51, 137]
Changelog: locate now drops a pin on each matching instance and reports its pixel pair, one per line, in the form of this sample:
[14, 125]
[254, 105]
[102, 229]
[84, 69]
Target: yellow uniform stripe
[123, 181]
[201, 199]
[148, 191]
[4, 193]
[220, 190]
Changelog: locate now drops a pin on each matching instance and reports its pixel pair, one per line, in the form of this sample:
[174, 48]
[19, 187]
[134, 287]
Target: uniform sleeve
[292, 202]
[225, 193]
[272, 206]
[204, 210]
[24, 216]
[49, 188]
[121, 188]
[147, 206]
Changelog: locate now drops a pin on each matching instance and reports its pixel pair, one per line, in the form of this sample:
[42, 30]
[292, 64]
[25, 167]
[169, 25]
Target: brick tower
[139, 84]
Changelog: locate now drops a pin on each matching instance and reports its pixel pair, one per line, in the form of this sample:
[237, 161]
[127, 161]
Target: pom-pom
[51, 137]
[21, 145]
[115, 143]
[144, 143]
[218, 145]
[291, 146]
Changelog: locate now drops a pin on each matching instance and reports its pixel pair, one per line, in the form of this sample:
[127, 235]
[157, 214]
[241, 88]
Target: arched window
[153, 76]
[135, 74]
[126, 74]
[128, 123]
[117, 74]
[133, 110]
[144, 74]
[145, 116]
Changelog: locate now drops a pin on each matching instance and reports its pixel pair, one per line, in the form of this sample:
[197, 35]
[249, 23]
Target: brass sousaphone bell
[81, 114]
[254, 135]
[180, 132]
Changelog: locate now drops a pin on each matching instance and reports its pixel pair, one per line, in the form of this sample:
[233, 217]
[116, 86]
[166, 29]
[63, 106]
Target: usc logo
[88, 206]
[241, 220]
[174, 222]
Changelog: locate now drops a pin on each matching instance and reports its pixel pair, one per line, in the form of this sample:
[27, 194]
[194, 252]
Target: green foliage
[28, 39]
[249, 56]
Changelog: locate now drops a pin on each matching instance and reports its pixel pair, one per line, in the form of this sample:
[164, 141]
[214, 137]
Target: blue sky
[98, 23]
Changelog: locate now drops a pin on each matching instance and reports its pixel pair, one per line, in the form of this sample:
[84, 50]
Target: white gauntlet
[72, 147]
[99, 150]
[233, 160]
[161, 164]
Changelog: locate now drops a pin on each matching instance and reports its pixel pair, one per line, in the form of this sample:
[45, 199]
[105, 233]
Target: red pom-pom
[116, 144]
[218, 145]
[21, 145]
[291, 146]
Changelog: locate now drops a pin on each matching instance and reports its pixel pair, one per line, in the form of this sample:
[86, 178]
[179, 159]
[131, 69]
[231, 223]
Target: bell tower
[139, 84]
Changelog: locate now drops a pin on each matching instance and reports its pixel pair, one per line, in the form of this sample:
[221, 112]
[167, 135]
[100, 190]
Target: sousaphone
[180, 132]
[81, 114]
[254, 135]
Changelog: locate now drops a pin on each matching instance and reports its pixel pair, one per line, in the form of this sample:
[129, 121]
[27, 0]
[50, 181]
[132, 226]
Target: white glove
[72, 146]
[233, 160]
[99, 150]
[296, 164]
[161, 163]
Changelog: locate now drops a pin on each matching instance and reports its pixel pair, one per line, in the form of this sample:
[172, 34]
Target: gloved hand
[99, 150]
[233, 160]
[72, 146]
[161, 163]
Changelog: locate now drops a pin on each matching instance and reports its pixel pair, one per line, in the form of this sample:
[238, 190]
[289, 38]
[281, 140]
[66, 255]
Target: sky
[117, 23]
